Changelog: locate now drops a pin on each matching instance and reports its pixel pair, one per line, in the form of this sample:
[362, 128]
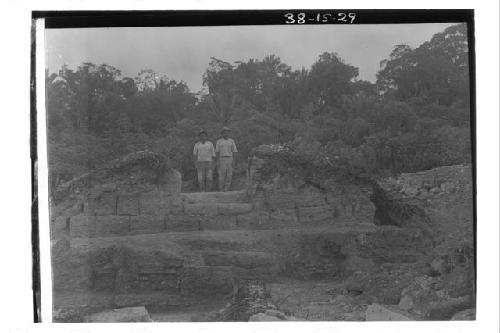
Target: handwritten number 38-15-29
[320, 18]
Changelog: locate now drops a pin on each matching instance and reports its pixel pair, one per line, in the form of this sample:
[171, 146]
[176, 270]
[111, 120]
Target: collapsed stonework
[438, 202]
[441, 198]
[126, 236]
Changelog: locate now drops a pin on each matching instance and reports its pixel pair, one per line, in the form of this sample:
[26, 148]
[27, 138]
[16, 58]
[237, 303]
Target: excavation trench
[320, 254]
[186, 266]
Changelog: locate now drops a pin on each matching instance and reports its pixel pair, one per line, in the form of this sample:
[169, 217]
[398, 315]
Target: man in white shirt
[226, 157]
[204, 154]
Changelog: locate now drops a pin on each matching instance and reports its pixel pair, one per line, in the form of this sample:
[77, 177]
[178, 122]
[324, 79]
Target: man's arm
[234, 158]
[213, 152]
[195, 154]
[235, 151]
[217, 153]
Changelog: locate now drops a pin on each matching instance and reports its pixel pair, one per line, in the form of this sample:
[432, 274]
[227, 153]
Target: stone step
[387, 244]
[247, 239]
[216, 208]
[207, 263]
[215, 197]
[250, 260]
[200, 218]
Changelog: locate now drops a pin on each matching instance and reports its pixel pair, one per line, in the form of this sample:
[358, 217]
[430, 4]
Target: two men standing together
[224, 154]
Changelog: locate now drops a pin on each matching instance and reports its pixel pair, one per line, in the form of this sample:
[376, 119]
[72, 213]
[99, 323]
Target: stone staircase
[189, 212]
[214, 239]
[162, 248]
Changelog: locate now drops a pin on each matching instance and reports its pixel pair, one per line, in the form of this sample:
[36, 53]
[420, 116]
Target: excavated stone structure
[126, 236]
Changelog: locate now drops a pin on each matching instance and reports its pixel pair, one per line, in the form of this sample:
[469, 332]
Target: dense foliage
[416, 116]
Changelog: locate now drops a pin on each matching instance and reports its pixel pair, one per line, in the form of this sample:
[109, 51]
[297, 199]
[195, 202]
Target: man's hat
[225, 129]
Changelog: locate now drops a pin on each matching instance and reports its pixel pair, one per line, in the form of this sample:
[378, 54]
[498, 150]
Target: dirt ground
[317, 300]
[306, 300]
[195, 313]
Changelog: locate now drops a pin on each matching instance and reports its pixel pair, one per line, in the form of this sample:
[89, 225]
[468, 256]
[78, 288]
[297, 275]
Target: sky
[183, 53]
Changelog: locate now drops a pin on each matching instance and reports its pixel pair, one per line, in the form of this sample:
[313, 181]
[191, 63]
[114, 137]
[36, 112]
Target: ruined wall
[442, 196]
[127, 236]
[287, 189]
[128, 197]
[438, 203]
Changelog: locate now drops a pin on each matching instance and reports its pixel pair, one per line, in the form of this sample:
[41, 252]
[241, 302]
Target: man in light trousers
[203, 155]
[225, 148]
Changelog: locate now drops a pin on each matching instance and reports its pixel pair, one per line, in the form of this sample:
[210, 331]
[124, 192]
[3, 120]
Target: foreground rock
[427, 298]
[469, 314]
[250, 299]
[377, 312]
[264, 317]
[444, 310]
[273, 315]
[124, 315]
[252, 302]
[420, 294]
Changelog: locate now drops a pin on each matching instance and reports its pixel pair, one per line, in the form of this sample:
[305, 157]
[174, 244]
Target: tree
[415, 117]
[436, 71]
[329, 79]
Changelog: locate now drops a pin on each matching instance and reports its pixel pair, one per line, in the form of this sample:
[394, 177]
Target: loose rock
[377, 312]
[124, 315]
[469, 314]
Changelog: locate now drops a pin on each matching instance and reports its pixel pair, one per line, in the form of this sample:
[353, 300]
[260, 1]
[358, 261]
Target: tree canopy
[414, 117]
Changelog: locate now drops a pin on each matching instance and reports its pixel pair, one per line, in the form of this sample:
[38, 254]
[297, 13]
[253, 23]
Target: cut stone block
[220, 222]
[128, 204]
[103, 281]
[206, 280]
[153, 203]
[234, 208]
[283, 218]
[215, 197]
[282, 199]
[254, 221]
[107, 226]
[144, 224]
[166, 280]
[172, 182]
[182, 223]
[174, 205]
[82, 226]
[310, 196]
[248, 260]
[200, 209]
[316, 215]
[72, 277]
[123, 315]
[59, 247]
[71, 271]
[60, 225]
[274, 220]
[102, 204]
[158, 202]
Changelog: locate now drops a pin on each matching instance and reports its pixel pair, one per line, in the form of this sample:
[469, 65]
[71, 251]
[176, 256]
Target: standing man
[204, 154]
[226, 157]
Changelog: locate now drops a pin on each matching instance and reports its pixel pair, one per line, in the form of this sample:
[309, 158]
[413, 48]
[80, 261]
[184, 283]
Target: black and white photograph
[321, 169]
